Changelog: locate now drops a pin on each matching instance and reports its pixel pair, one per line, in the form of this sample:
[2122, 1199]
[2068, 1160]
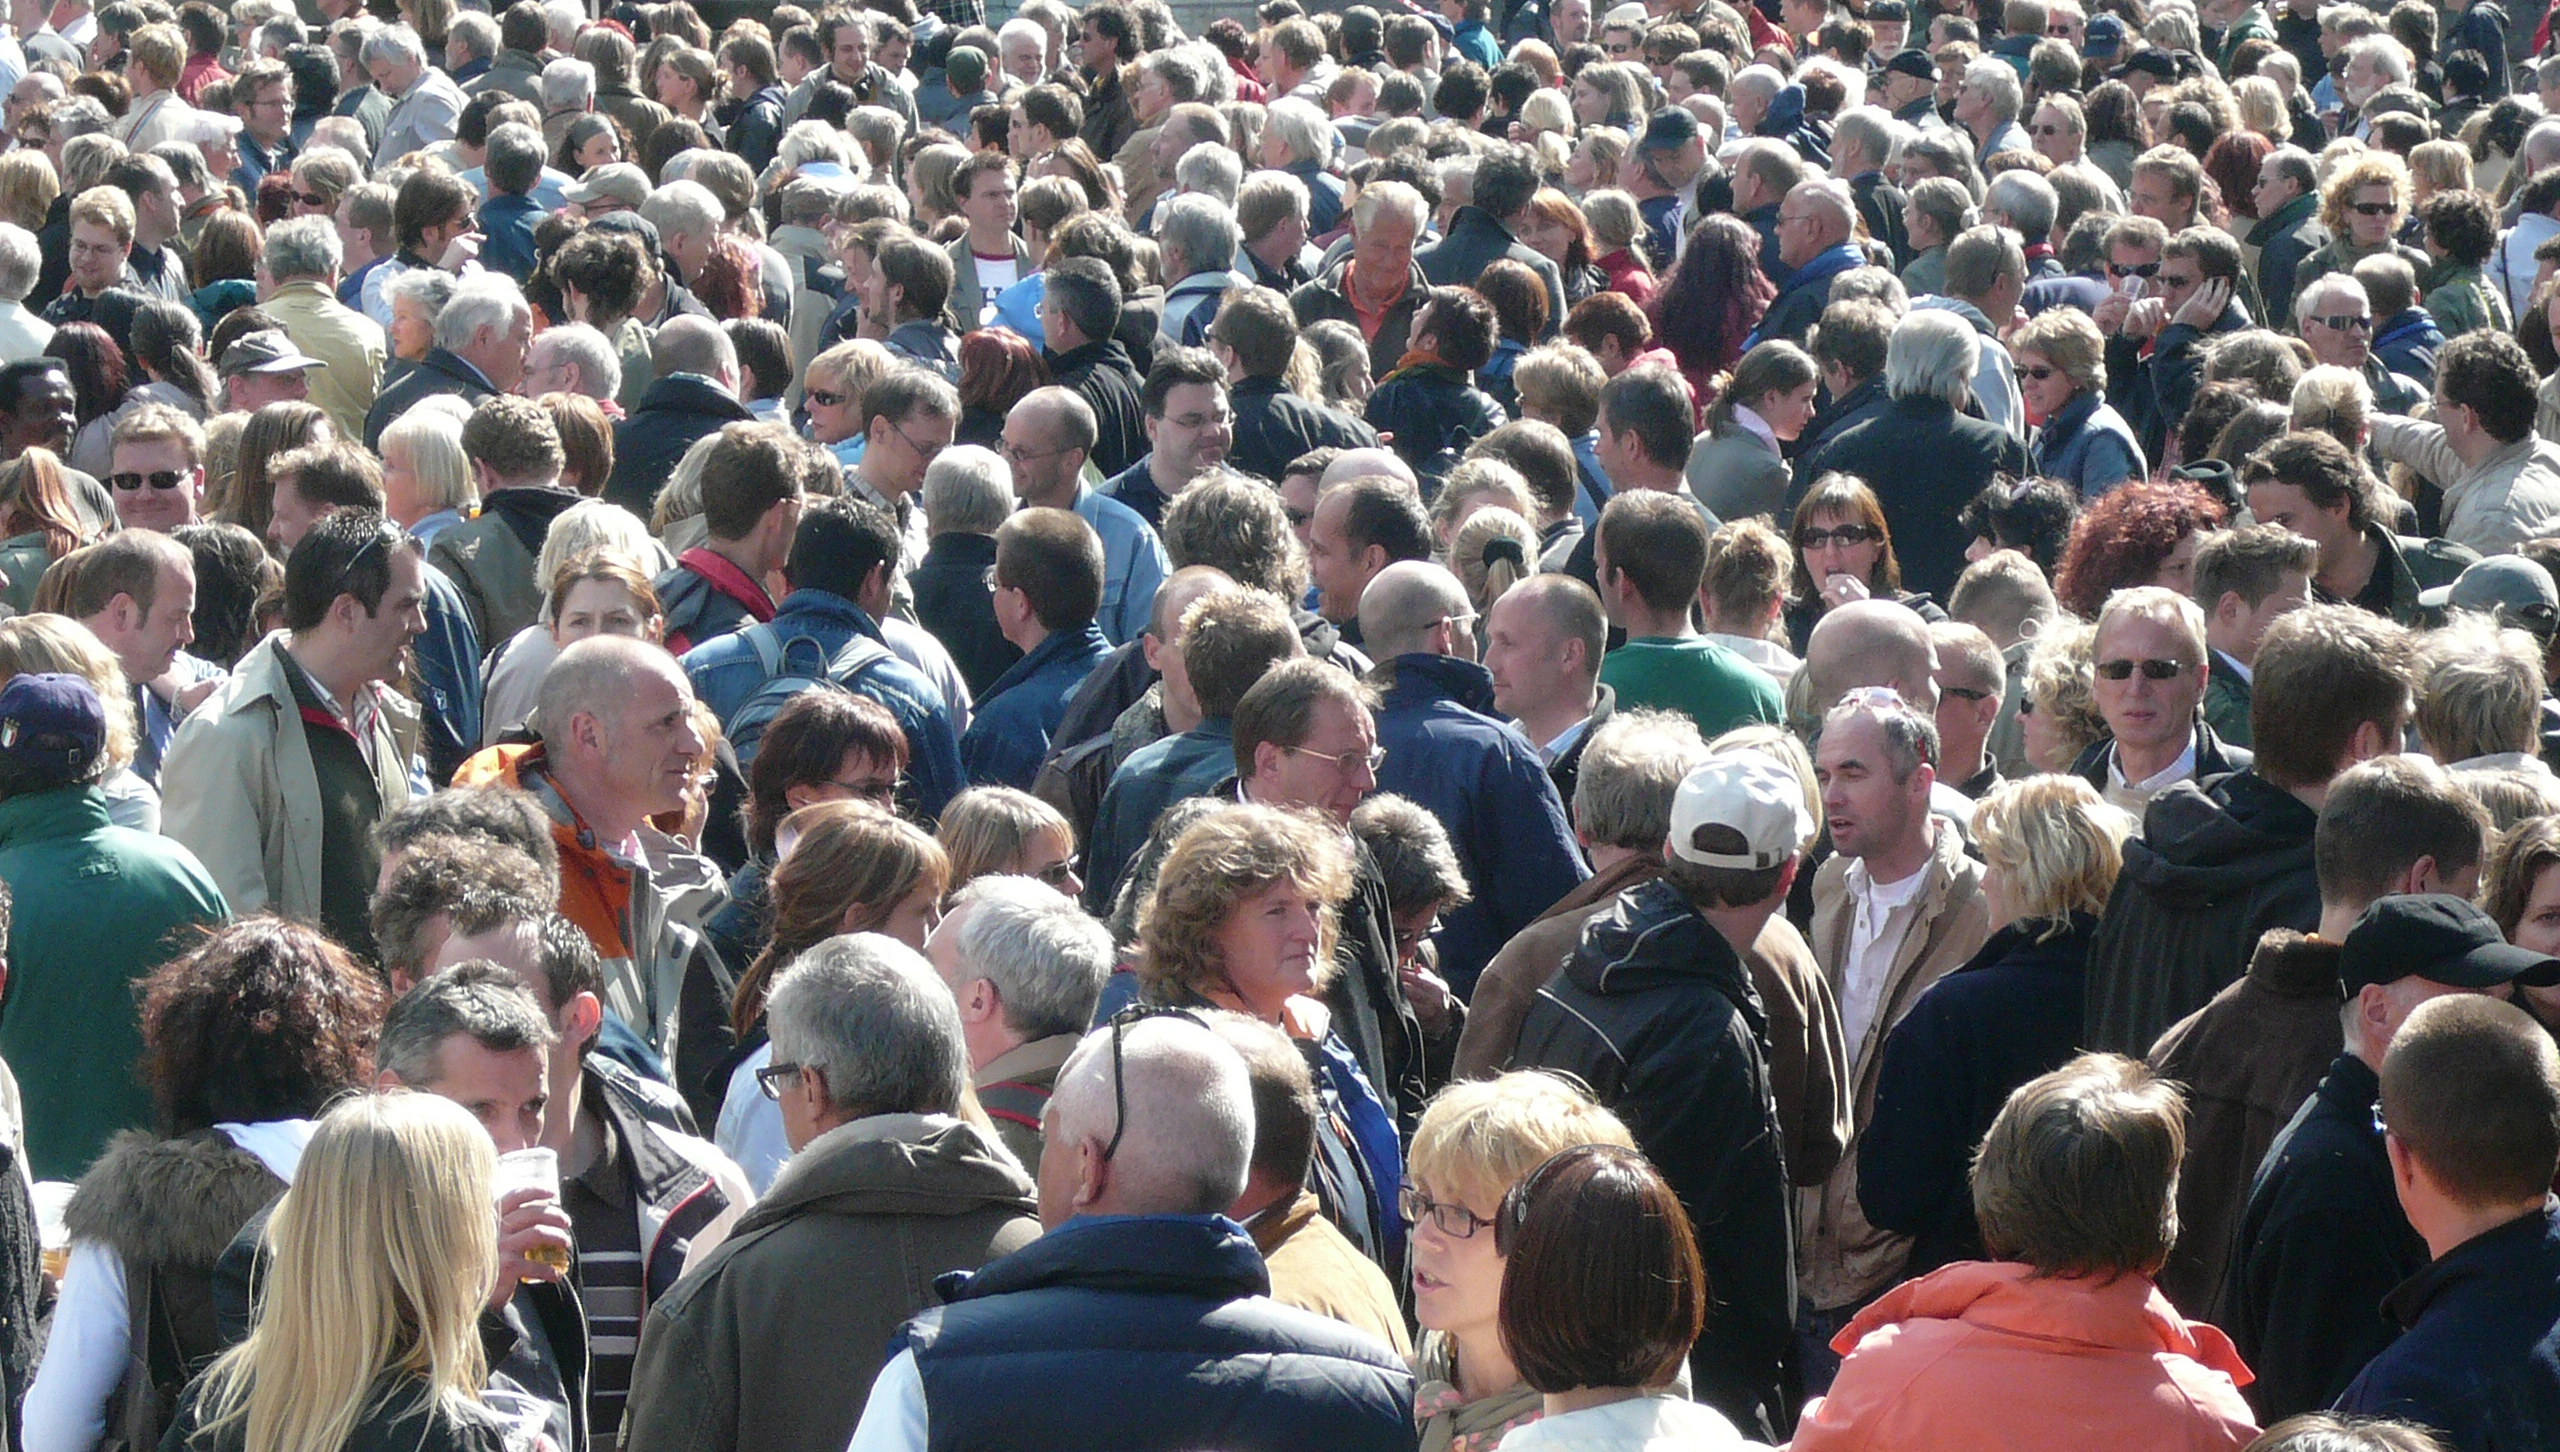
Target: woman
[320, 178]
[1939, 210]
[2519, 888]
[845, 867]
[1603, 1294]
[1345, 368]
[1713, 299]
[1740, 469]
[601, 595]
[99, 383]
[276, 429]
[513, 678]
[2051, 849]
[1494, 550]
[223, 268]
[163, 344]
[2076, 1192]
[1597, 156]
[233, 573]
[2059, 715]
[1617, 230]
[586, 438]
[27, 189]
[2144, 533]
[367, 1332]
[594, 139]
[998, 366]
[1843, 552]
[2062, 374]
[731, 282]
[998, 831]
[244, 1039]
[1615, 94]
[1745, 593]
[688, 85]
[1556, 230]
[417, 298]
[40, 522]
[426, 479]
[45, 643]
[2115, 132]
[1475, 1142]
[602, 276]
[2361, 207]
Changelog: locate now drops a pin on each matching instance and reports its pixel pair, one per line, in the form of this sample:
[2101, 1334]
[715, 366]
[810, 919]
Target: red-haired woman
[1712, 301]
[997, 367]
[2141, 533]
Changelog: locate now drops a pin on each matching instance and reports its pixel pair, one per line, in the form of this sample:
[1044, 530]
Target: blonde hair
[2482, 691]
[1482, 564]
[2370, 169]
[985, 828]
[2262, 108]
[1615, 223]
[2334, 401]
[106, 207]
[594, 527]
[433, 438]
[2059, 844]
[2060, 673]
[2444, 165]
[27, 188]
[1478, 1139]
[41, 643]
[160, 51]
[1216, 864]
[384, 1252]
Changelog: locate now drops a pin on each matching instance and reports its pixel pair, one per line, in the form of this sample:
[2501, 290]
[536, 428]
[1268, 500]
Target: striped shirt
[611, 1277]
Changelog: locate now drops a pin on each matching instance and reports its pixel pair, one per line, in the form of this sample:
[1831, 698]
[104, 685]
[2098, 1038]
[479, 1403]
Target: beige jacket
[2513, 496]
[351, 344]
[238, 788]
[1841, 1260]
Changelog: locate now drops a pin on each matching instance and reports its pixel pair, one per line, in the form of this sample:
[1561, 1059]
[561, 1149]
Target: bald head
[1180, 591]
[1872, 643]
[1414, 607]
[1826, 203]
[1360, 463]
[595, 677]
[1190, 1105]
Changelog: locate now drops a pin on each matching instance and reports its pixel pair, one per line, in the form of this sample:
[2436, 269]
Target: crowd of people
[1824, 723]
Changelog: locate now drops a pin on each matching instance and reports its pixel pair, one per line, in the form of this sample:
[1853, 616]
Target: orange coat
[1982, 1356]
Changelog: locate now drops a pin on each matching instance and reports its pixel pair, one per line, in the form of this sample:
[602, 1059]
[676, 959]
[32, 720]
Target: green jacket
[23, 561]
[2226, 704]
[2461, 300]
[94, 908]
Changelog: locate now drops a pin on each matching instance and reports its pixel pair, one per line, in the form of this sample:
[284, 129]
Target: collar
[2507, 1255]
[1027, 1060]
[2222, 660]
[1886, 896]
[2176, 771]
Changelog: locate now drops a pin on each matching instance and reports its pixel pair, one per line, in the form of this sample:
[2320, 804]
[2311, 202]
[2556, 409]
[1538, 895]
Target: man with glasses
[1189, 425]
[1026, 967]
[2060, 131]
[1046, 582]
[1815, 220]
[1970, 680]
[262, 98]
[1048, 436]
[2287, 201]
[908, 417]
[2151, 664]
[2156, 344]
[157, 474]
[2336, 323]
[2501, 481]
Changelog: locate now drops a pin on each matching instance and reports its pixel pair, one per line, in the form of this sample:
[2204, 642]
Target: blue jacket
[1798, 305]
[2407, 343]
[448, 666]
[1140, 1332]
[1487, 785]
[2480, 1360]
[2089, 446]
[726, 672]
[506, 226]
[1154, 777]
[1009, 732]
[1324, 196]
[1435, 411]
[1133, 565]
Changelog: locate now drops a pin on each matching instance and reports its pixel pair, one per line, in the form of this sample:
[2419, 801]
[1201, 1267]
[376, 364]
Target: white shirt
[893, 1420]
[750, 1128]
[2135, 795]
[1880, 914]
[995, 274]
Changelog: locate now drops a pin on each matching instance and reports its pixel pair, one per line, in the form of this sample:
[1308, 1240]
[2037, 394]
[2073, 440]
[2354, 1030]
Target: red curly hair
[2121, 540]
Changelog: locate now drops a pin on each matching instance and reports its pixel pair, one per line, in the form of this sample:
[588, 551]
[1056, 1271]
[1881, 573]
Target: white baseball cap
[1751, 793]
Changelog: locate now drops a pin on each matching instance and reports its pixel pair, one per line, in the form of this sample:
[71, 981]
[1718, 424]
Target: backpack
[859, 657]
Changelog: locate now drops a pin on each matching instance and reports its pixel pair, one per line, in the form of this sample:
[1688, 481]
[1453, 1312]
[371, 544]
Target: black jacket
[2218, 863]
[675, 412]
[2153, 390]
[1656, 1013]
[2478, 1361]
[1933, 461]
[393, 1423]
[1475, 241]
[1566, 770]
[1434, 411]
[1834, 418]
[2214, 757]
[2322, 1242]
[758, 130]
[1880, 205]
[440, 372]
[952, 601]
[1274, 426]
[1102, 375]
[1977, 1034]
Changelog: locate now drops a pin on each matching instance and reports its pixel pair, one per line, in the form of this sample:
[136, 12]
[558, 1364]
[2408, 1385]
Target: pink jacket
[1982, 1357]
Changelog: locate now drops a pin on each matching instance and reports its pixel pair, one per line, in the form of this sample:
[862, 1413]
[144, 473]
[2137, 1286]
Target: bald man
[616, 766]
[1815, 222]
[1477, 774]
[1362, 463]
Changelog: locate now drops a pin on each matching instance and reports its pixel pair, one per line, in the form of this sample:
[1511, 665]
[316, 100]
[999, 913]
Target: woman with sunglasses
[2062, 374]
[998, 831]
[1843, 552]
[1476, 1141]
[2362, 207]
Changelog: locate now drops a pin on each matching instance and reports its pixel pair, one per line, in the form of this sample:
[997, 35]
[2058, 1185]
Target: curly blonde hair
[2372, 169]
[1212, 868]
[2060, 674]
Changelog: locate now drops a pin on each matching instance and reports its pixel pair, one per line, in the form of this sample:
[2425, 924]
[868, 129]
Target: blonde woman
[1476, 1141]
[1494, 550]
[992, 831]
[2059, 715]
[2336, 402]
[426, 479]
[45, 644]
[1616, 225]
[2052, 849]
[368, 1332]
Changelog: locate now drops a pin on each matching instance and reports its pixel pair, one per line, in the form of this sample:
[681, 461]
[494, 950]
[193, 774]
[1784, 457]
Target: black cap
[2438, 937]
[1668, 129]
[2150, 59]
[1913, 63]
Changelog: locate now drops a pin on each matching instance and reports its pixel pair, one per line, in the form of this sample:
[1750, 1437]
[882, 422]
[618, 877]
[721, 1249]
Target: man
[2287, 201]
[276, 781]
[1361, 527]
[991, 257]
[1543, 649]
[2245, 578]
[93, 910]
[1763, 172]
[1908, 87]
[481, 338]
[903, 298]
[616, 747]
[1386, 220]
[1481, 778]
[1987, 108]
[153, 267]
[1646, 425]
[1188, 425]
[843, 557]
[2061, 134]
[1848, 347]
[1669, 157]
[1026, 968]
[156, 469]
[1814, 226]
[158, 56]
[1651, 558]
[1048, 581]
[887, 1190]
[261, 368]
[1970, 679]
[426, 105]
[2470, 1093]
[136, 591]
[1486, 231]
[2249, 1058]
[693, 392]
[1862, 141]
[2219, 862]
[1896, 908]
[1254, 336]
[2322, 1242]
[1196, 241]
[2335, 318]
[1079, 315]
[908, 418]
[102, 225]
[1654, 1010]
[751, 506]
[1048, 436]
[523, 35]
[2151, 661]
[2501, 481]
[2156, 346]
[2312, 485]
[1986, 275]
[298, 287]
[2167, 187]
[516, 459]
[967, 498]
[1150, 1205]
[573, 358]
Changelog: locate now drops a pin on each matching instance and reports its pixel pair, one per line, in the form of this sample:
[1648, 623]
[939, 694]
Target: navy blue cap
[51, 725]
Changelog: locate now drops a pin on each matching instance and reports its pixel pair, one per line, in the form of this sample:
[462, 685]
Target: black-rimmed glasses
[770, 1078]
[1452, 1219]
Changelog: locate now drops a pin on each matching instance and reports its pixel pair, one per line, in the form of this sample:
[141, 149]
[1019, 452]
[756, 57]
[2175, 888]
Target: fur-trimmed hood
[170, 1202]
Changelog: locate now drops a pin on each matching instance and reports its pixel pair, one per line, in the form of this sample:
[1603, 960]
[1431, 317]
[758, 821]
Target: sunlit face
[508, 1092]
[1788, 412]
[2043, 384]
[602, 148]
[140, 462]
[2373, 216]
[832, 418]
[601, 607]
[1457, 1280]
[2272, 190]
[413, 333]
[1330, 769]
[649, 745]
[1827, 552]
[2287, 507]
[2141, 712]
[1590, 103]
[1545, 236]
[2054, 140]
[2152, 195]
[1270, 946]
[1197, 427]
[1869, 811]
[676, 90]
[97, 256]
[915, 917]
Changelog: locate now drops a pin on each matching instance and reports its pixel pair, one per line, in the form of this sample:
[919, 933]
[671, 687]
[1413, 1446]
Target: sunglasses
[2147, 269]
[2343, 324]
[2038, 372]
[2374, 209]
[1134, 1013]
[823, 398]
[157, 479]
[314, 199]
[2152, 670]
[1846, 534]
[2044, 130]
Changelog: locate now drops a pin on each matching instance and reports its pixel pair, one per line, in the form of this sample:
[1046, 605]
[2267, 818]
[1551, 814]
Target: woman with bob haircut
[2051, 849]
[2062, 374]
[2061, 1340]
[1556, 230]
[426, 478]
[2145, 533]
[1000, 831]
[1603, 1294]
[367, 1334]
[1740, 469]
[1477, 1139]
[1843, 551]
[998, 366]
[2520, 889]
[1616, 226]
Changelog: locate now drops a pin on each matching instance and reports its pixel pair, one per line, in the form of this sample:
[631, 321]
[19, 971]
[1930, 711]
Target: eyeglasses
[1452, 1219]
[157, 479]
[1377, 757]
[1057, 874]
[1217, 420]
[1846, 534]
[2038, 372]
[2374, 209]
[314, 199]
[1514, 1214]
[927, 452]
[875, 790]
[1024, 456]
[2152, 670]
[1120, 1022]
[770, 1078]
[2147, 269]
[823, 398]
[2178, 282]
[2342, 324]
[2044, 130]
